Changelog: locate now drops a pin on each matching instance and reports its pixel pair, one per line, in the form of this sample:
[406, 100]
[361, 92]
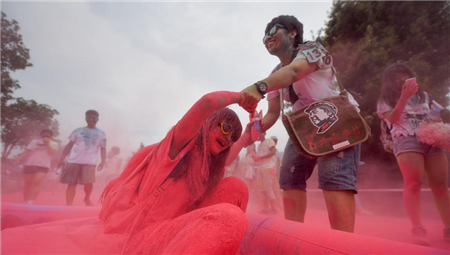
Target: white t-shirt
[413, 114]
[264, 149]
[316, 85]
[87, 144]
[39, 155]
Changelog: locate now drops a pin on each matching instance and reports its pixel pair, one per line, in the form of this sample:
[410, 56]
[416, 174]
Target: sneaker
[419, 235]
[447, 234]
[88, 202]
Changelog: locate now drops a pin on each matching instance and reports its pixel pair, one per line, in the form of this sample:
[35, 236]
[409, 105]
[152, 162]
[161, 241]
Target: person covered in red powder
[403, 105]
[170, 198]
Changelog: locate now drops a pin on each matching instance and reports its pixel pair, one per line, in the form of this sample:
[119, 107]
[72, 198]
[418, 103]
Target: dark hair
[199, 166]
[390, 93]
[290, 23]
[92, 112]
[46, 131]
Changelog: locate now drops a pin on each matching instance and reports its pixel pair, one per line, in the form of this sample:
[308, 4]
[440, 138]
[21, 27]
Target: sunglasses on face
[92, 118]
[272, 31]
[228, 129]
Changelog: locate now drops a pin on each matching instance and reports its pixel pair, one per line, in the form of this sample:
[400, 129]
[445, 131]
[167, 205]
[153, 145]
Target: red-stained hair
[201, 169]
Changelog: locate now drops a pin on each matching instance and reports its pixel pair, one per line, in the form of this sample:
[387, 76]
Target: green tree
[14, 57]
[24, 119]
[20, 119]
[365, 37]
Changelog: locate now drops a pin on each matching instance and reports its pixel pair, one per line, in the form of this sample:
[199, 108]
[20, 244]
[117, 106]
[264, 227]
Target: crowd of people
[188, 165]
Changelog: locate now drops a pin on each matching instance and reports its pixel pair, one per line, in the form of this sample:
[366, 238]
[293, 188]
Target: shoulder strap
[341, 87]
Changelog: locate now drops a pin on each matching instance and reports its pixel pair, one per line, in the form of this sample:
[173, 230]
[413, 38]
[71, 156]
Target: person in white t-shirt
[82, 151]
[403, 105]
[265, 164]
[113, 165]
[37, 160]
[306, 75]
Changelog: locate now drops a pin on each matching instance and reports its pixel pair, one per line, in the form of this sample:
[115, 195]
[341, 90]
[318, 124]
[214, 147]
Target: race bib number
[316, 53]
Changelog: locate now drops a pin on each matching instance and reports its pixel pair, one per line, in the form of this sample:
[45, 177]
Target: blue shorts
[337, 171]
[410, 143]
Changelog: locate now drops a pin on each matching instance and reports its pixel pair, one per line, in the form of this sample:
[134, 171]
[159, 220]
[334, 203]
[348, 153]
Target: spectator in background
[276, 185]
[37, 159]
[83, 147]
[230, 170]
[265, 163]
[113, 165]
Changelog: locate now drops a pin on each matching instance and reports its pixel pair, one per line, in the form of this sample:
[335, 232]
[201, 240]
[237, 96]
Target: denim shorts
[410, 143]
[337, 171]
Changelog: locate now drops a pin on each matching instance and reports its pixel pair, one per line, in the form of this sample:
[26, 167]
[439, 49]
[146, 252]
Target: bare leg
[28, 182]
[36, 185]
[436, 169]
[341, 209]
[412, 168]
[70, 193]
[294, 203]
[88, 191]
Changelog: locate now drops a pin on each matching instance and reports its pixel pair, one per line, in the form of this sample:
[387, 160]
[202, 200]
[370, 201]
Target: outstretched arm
[284, 77]
[191, 123]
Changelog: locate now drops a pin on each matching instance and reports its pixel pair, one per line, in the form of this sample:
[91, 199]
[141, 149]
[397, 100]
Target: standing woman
[37, 160]
[403, 105]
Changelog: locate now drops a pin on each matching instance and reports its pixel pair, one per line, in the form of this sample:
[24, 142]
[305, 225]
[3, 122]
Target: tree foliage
[24, 119]
[20, 119]
[365, 37]
[14, 57]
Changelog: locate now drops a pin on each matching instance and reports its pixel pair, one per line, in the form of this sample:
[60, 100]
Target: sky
[142, 65]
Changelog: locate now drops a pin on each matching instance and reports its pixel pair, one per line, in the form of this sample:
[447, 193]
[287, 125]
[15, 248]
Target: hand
[60, 163]
[100, 166]
[46, 140]
[409, 89]
[248, 102]
[246, 136]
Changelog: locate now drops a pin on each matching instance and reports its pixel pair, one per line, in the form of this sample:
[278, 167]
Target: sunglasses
[92, 118]
[228, 129]
[272, 31]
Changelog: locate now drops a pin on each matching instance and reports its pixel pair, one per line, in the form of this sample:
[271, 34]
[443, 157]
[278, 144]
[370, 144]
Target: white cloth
[87, 144]
[39, 155]
[412, 115]
[264, 149]
[316, 85]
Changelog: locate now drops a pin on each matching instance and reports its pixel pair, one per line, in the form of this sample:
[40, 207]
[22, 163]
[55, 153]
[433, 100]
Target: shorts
[78, 174]
[337, 171]
[34, 169]
[410, 143]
